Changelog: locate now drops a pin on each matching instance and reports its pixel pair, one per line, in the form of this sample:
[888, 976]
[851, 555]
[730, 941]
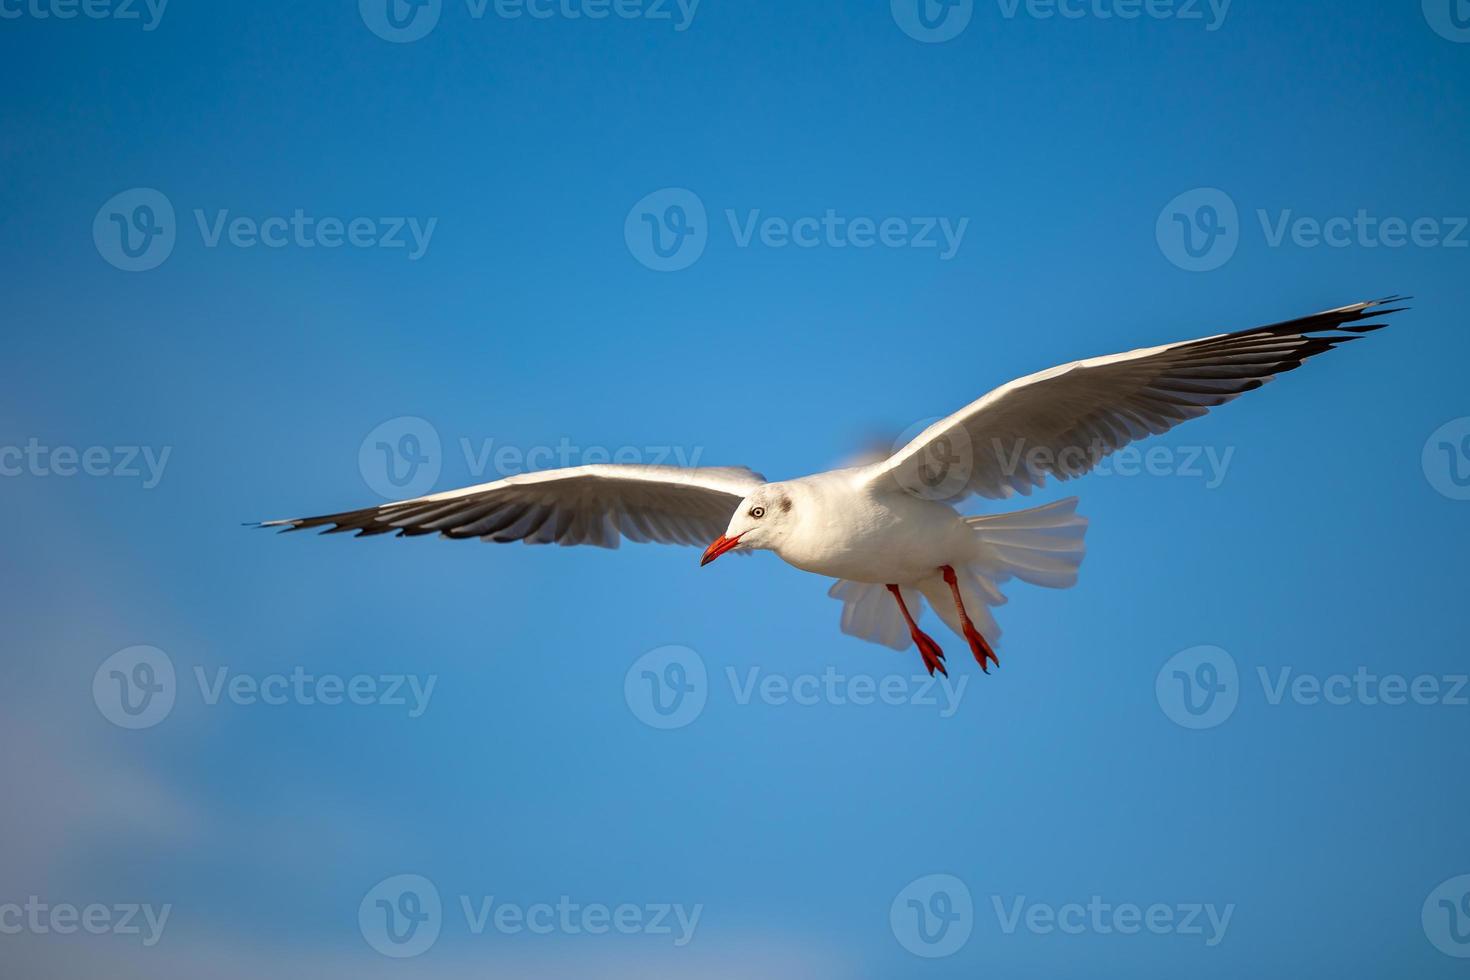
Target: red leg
[928, 649]
[978, 646]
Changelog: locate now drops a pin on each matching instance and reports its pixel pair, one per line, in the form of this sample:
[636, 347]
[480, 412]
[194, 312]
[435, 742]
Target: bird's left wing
[597, 505]
[1062, 421]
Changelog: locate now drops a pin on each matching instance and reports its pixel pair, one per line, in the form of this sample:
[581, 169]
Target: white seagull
[888, 530]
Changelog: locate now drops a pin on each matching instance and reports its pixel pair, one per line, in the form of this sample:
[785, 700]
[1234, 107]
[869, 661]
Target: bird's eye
[757, 512]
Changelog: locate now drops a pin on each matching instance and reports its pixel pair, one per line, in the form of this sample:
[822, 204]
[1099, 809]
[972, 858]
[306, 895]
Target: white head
[762, 520]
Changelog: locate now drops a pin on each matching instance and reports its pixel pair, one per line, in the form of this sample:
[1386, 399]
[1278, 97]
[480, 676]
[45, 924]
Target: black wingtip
[278, 526]
[1356, 319]
[1386, 306]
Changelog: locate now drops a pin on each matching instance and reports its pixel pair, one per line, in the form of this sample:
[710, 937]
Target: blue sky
[337, 230]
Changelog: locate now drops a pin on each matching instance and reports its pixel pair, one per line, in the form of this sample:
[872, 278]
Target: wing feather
[1062, 421]
[597, 505]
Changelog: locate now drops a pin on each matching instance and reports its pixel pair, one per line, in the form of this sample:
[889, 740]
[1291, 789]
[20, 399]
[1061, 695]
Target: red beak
[718, 547]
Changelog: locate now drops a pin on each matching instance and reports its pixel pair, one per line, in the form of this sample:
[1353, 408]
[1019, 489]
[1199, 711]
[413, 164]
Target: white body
[851, 528]
[870, 533]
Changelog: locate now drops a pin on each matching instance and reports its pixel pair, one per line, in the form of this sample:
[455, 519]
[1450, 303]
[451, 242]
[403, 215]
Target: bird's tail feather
[1043, 545]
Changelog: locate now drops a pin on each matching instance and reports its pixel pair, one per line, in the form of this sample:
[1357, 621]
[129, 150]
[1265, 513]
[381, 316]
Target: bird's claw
[982, 650]
[932, 654]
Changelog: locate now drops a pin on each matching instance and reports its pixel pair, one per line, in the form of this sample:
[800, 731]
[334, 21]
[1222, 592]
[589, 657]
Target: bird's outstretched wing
[1062, 421]
[597, 505]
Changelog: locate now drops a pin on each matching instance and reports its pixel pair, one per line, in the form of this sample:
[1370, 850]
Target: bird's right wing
[597, 505]
[1061, 422]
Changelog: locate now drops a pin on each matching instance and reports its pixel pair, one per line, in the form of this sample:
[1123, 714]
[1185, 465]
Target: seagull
[889, 530]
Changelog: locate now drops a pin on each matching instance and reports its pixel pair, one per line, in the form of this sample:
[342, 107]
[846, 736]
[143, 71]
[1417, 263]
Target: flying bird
[888, 530]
